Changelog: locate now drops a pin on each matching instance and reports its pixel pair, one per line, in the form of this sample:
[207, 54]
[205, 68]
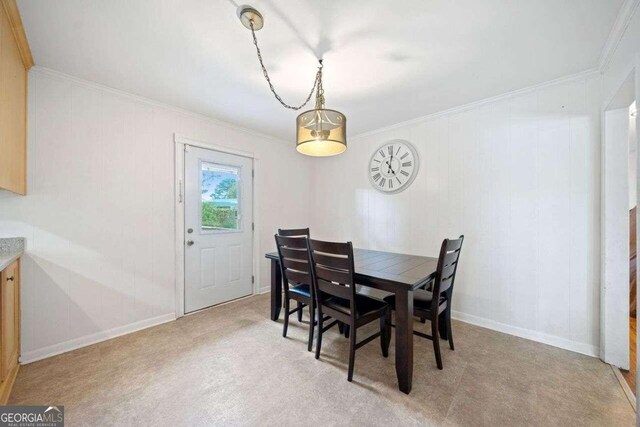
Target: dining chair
[335, 290]
[295, 232]
[295, 266]
[426, 307]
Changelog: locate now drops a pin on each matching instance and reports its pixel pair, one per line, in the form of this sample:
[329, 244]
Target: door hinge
[179, 191]
[253, 226]
[253, 173]
[253, 279]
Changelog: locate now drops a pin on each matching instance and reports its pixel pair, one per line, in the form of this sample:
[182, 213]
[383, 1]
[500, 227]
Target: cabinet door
[9, 318]
[13, 111]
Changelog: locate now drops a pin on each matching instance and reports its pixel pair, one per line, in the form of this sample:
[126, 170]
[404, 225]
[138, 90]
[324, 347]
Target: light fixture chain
[319, 90]
[316, 83]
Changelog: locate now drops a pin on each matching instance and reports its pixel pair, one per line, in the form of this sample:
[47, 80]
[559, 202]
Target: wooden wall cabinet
[9, 328]
[15, 61]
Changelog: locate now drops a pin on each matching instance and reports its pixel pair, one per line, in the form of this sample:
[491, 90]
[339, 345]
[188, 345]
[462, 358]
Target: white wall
[622, 64]
[519, 177]
[615, 236]
[633, 163]
[99, 215]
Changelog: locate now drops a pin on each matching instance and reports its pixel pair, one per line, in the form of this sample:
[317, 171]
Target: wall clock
[393, 166]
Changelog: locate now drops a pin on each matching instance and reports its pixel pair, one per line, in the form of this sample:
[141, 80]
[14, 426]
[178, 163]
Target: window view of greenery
[219, 197]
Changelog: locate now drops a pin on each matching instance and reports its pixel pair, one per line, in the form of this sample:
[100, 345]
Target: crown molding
[98, 86]
[584, 75]
[11, 9]
[628, 9]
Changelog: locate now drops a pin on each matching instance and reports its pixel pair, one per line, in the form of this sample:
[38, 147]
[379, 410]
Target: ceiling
[385, 62]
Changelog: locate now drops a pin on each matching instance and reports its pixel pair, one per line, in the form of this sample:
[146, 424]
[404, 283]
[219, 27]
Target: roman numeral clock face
[393, 167]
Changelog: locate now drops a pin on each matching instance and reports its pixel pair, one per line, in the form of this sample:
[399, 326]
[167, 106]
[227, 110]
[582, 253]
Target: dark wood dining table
[400, 274]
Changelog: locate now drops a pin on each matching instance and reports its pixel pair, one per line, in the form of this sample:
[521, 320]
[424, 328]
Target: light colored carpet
[230, 366]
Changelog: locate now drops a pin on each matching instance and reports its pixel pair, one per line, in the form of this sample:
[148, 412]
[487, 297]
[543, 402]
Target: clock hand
[389, 165]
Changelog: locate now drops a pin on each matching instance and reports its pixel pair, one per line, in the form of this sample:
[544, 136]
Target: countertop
[11, 249]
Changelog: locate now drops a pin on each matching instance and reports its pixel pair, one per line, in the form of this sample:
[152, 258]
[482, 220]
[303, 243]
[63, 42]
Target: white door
[218, 227]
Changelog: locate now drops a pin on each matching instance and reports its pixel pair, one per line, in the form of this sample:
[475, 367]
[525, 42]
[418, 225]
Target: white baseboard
[43, 353]
[552, 340]
[631, 397]
[264, 290]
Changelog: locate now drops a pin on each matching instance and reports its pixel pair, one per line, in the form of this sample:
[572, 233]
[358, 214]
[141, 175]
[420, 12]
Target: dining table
[400, 274]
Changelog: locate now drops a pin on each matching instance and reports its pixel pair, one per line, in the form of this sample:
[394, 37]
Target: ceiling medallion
[319, 132]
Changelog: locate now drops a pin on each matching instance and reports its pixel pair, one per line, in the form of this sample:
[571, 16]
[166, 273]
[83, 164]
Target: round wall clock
[393, 166]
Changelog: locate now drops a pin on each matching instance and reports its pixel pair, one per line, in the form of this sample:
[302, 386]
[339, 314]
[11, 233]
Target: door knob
[189, 242]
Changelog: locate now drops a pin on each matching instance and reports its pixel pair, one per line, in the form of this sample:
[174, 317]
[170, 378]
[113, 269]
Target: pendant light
[319, 132]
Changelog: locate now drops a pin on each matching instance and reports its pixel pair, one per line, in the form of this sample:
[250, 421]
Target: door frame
[610, 345]
[179, 157]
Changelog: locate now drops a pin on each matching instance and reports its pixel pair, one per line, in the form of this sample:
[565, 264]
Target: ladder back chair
[437, 309]
[295, 232]
[335, 290]
[295, 266]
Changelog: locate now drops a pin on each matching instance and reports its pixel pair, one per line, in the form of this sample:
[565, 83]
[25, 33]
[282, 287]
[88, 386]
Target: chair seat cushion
[364, 305]
[303, 290]
[421, 300]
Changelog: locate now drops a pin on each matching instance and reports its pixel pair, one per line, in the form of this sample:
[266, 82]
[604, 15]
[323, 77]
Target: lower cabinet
[9, 328]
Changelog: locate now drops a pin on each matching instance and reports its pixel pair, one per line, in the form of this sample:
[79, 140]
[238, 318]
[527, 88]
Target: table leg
[442, 325]
[404, 340]
[276, 289]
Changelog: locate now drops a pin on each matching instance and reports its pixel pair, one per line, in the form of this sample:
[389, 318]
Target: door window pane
[220, 187]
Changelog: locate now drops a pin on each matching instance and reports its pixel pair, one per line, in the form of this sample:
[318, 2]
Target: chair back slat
[294, 232]
[342, 277]
[445, 285]
[291, 264]
[333, 248]
[297, 277]
[293, 253]
[446, 271]
[333, 271]
[338, 262]
[455, 244]
[333, 289]
[450, 270]
[451, 258]
[292, 242]
[295, 263]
